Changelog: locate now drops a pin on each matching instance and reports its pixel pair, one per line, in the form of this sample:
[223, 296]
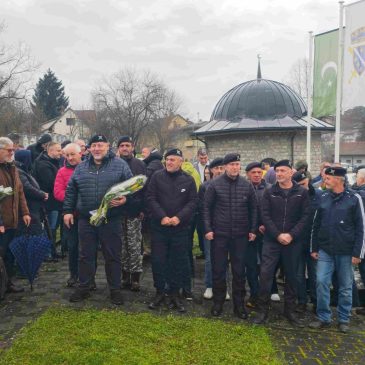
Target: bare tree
[16, 69]
[298, 77]
[129, 101]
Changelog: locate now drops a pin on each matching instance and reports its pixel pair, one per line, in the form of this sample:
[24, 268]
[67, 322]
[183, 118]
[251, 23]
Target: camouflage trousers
[132, 245]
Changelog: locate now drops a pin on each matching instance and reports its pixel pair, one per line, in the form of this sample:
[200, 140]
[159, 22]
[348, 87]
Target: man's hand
[262, 229]
[118, 202]
[285, 239]
[355, 260]
[2, 229]
[251, 237]
[141, 216]
[209, 236]
[45, 196]
[27, 219]
[166, 221]
[175, 221]
[68, 219]
[315, 255]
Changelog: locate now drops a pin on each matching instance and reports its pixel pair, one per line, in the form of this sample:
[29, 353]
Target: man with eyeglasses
[89, 183]
[11, 208]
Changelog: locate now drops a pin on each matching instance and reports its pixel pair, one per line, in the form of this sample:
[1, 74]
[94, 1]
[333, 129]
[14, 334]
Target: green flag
[325, 74]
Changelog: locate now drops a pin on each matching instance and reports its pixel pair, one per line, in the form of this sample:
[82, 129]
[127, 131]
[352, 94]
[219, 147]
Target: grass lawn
[67, 336]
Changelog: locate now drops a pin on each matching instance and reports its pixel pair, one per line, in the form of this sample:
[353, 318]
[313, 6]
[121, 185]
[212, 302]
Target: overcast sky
[201, 48]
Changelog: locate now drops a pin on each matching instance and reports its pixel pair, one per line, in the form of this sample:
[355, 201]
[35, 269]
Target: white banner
[354, 57]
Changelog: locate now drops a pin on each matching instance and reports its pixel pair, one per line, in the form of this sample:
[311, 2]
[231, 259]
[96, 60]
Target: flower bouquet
[127, 187]
[4, 192]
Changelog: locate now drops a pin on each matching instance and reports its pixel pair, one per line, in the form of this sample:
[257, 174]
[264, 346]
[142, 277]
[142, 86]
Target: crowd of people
[275, 221]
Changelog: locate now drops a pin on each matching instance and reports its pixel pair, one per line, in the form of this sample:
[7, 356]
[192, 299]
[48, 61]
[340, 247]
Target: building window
[70, 121]
[358, 161]
[348, 161]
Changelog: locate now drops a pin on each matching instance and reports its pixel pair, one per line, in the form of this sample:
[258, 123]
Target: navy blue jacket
[338, 226]
[88, 185]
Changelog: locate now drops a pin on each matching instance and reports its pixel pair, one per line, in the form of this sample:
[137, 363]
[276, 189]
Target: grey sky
[200, 48]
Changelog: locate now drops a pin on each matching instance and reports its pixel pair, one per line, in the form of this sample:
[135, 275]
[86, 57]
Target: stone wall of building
[256, 146]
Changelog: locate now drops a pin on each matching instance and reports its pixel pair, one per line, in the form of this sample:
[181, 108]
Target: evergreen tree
[49, 96]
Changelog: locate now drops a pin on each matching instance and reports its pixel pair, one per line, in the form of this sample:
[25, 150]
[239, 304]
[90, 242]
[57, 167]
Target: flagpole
[309, 99]
[339, 83]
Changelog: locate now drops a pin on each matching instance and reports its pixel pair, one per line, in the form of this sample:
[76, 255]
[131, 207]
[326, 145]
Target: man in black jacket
[337, 243]
[90, 181]
[285, 212]
[45, 171]
[230, 221]
[132, 221]
[172, 200]
[41, 145]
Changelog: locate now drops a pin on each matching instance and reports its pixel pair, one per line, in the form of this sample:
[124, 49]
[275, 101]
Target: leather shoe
[79, 294]
[316, 325]
[216, 310]
[157, 300]
[176, 304]
[116, 297]
[240, 313]
[14, 289]
[293, 320]
[260, 318]
[343, 327]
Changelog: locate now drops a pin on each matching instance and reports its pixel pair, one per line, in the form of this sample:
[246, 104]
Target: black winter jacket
[153, 163]
[45, 171]
[259, 190]
[88, 185]
[285, 213]
[138, 168]
[338, 226]
[230, 207]
[169, 195]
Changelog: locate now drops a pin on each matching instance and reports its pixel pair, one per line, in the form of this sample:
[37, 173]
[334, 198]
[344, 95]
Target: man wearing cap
[216, 168]
[89, 183]
[172, 201]
[41, 145]
[230, 220]
[306, 263]
[132, 221]
[254, 172]
[285, 213]
[337, 243]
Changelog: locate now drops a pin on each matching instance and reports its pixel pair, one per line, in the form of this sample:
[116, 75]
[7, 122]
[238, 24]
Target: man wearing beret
[337, 243]
[132, 221]
[254, 174]
[285, 213]
[306, 263]
[216, 168]
[172, 200]
[230, 220]
[85, 191]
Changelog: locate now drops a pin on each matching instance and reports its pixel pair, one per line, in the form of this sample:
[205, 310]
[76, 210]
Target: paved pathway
[296, 346]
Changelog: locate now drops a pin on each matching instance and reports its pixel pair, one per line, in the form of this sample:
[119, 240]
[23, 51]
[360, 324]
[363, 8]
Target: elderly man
[337, 243]
[88, 184]
[11, 207]
[230, 221]
[172, 200]
[132, 221]
[285, 213]
[72, 153]
[84, 151]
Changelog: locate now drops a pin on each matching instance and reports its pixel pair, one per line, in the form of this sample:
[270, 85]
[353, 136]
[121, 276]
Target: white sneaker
[227, 296]
[208, 294]
[275, 297]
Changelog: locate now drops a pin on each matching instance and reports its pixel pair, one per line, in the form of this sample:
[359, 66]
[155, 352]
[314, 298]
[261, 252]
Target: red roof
[86, 115]
[352, 148]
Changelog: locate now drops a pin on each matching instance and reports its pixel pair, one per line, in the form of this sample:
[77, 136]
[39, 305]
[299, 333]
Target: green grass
[67, 336]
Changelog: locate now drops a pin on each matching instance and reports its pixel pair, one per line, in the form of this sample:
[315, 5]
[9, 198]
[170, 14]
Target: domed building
[263, 118]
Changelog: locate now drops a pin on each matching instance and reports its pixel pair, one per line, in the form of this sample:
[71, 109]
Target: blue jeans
[208, 265]
[52, 219]
[326, 265]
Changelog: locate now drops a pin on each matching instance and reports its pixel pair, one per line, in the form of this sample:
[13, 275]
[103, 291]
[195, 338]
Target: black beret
[282, 163]
[125, 139]
[216, 162]
[336, 171]
[174, 152]
[97, 138]
[253, 165]
[231, 157]
[299, 176]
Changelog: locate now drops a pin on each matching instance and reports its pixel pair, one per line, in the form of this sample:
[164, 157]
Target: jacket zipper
[286, 201]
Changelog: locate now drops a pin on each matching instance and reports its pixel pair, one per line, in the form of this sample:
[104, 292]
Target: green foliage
[49, 96]
[67, 336]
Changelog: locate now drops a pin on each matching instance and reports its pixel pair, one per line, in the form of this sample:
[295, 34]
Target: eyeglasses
[9, 150]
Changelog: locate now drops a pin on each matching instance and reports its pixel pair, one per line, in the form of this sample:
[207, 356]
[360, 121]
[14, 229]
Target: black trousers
[170, 262]
[272, 252]
[5, 253]
[110, 237]
[236, 248]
